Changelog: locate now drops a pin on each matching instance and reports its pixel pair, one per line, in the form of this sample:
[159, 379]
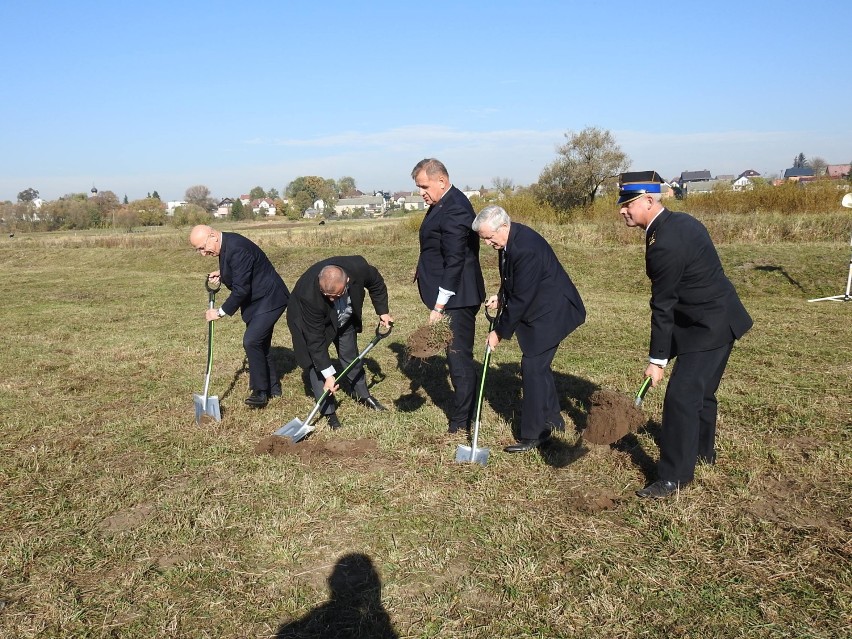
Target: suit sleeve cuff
[328, 372]
[659, 362]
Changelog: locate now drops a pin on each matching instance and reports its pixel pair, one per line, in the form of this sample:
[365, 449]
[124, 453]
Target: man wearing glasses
[260, 294]
[326, 309]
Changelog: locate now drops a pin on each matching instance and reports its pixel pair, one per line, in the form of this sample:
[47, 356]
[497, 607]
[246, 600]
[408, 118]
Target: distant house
[472, 193]
[312, 213]
[694, 188]
[749, 173]
[245, 199]
[223, 209]
[838, 171]
[412, 202]
[373, 205]
[265, 205]
[742, 183]
[798, 174]
[174, 204]
[688, 177]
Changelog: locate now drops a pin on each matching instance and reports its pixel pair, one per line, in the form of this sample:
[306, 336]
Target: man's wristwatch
[439, 310]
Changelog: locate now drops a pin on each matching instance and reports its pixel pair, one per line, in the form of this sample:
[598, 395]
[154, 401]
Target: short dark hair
[432, 167]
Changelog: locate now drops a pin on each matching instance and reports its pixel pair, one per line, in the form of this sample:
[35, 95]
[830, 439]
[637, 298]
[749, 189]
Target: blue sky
[134, 97]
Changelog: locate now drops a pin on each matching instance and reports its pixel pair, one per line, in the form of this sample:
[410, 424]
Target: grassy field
[119, 517]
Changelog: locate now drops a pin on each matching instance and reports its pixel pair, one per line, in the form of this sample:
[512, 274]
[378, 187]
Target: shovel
[208, 406]
[640, 394]
[296, 430]
[471, 453]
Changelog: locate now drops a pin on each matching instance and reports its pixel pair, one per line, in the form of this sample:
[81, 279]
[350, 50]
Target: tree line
[588, 162]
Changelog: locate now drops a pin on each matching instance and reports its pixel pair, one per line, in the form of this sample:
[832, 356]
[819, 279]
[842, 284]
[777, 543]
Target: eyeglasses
[336, 296]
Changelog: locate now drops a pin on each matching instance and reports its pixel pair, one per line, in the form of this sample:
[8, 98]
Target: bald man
[327, 308]
[260, 294]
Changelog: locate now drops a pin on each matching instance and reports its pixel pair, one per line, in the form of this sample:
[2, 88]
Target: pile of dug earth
[612, 415]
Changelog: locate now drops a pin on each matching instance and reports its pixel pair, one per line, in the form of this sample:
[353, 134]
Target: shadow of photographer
[354, 608]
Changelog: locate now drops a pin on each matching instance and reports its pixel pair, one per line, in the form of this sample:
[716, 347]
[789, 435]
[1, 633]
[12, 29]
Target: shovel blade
[472, 455]
[205, 411]
[295, 430]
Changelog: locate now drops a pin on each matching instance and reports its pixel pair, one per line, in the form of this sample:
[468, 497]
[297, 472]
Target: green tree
[125, 198]
[107, 202]
[190, 215]
[273, 194]
[346, 186]
[28, 195]
[799, 162]
[586, 161]
[147, 212]
[305, 190]
[238, 211]
[155, 195]
[257, 193]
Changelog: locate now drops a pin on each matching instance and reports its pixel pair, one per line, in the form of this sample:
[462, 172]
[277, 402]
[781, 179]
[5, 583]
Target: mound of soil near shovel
[612, 416]
[429, 340]
[309, 450]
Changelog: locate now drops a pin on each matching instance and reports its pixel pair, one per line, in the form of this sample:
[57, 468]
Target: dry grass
[120, 518]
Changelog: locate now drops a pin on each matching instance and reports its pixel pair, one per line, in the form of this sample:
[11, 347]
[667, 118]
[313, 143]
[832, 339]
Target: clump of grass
[429, 340]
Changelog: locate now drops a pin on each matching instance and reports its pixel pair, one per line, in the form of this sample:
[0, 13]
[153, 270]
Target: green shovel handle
[640, 394]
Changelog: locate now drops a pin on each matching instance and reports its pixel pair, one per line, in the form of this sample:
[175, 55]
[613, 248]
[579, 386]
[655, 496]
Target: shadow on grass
[779, 269]
[641, 459]
[354, 609]
[285, 362]
[429, 374]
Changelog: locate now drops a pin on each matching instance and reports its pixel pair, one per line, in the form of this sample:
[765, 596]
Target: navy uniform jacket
[694, 307]
[449, 253]
[312, 317]
[255, 285]
[539, 302]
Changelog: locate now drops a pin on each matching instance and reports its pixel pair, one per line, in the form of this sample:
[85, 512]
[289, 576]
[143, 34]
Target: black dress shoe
[371, 402]
[659, 489]
[524, 445]
[275, 392]
[257, 399]
[333, 422]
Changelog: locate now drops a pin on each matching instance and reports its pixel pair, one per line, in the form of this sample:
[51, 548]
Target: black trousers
[689, 413]
[460, 363]
[257, 342]
[540, 410]
[346, 344]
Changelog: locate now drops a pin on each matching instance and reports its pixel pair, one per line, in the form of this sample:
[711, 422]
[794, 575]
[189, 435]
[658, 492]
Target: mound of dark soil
[429, 340]
[611, 417]
[308, 450]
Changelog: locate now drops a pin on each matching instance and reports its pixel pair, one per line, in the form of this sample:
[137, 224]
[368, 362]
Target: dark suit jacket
[449, 253]
[255, 285]
[539, 302]
[694, 307]
[312, 317]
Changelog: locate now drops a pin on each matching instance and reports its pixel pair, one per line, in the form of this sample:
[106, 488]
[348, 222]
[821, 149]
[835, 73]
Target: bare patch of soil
[593, 501]
[782, 502]
[612, 416]
[429, 340]
[315, 451]
[127, 519]
[207, 421]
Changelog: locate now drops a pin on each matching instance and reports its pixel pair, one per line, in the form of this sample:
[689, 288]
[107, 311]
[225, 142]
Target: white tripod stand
[847, 296]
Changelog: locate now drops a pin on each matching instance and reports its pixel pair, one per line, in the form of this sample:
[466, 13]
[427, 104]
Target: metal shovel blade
[206, 410]
[295, 430]
[473, 455]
